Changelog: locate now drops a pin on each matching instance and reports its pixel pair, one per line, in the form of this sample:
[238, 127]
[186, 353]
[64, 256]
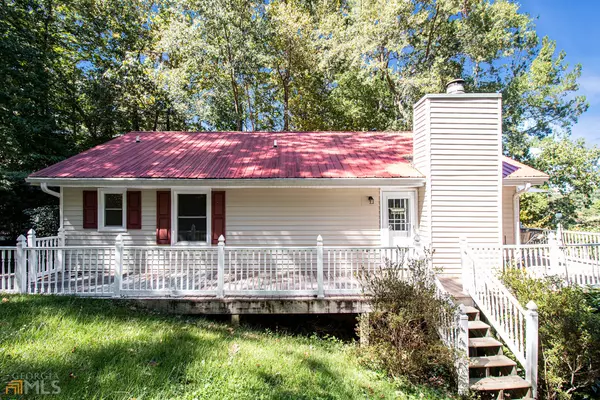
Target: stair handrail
[514, 324]
[454, 333]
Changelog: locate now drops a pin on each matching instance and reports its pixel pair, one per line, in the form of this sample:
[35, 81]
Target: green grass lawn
[105, 349]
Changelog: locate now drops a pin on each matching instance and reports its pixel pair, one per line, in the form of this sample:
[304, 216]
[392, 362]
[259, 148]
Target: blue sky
[574, 25]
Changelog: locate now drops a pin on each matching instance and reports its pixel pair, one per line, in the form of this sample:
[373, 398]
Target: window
[191, 217]
[398, 215]
[111, 212]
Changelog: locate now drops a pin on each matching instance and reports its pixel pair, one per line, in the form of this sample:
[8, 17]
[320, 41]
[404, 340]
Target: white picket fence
[516, 325]
[46, 265]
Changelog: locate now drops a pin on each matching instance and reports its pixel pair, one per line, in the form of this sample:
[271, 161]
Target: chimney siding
[458, 146]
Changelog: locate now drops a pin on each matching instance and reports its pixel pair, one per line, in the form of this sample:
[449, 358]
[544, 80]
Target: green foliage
[401, 332]
[44, 220]
[106, 349]
[77, 73]
[574, 173]
[569, 333]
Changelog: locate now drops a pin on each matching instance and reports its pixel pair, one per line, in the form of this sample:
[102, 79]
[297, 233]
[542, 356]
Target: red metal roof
[512, 169]
[243, 155]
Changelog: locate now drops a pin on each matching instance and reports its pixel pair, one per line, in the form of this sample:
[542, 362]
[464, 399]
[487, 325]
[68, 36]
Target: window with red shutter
[134, 210]
[90, 209]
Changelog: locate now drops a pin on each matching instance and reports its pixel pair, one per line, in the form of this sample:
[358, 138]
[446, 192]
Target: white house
[444, 181]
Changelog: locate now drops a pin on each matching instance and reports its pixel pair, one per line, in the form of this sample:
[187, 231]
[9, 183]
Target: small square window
[112, 210]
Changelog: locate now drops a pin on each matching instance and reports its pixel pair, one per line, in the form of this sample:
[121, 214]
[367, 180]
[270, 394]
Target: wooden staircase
[491, 373]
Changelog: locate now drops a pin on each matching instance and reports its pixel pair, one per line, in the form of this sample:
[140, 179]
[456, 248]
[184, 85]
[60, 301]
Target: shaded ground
[107, 349]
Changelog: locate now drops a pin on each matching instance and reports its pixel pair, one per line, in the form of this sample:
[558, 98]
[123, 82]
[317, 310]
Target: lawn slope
[105, 349]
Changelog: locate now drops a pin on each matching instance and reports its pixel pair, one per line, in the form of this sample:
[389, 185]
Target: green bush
[44, 220]
[400, 334]
[569, 334]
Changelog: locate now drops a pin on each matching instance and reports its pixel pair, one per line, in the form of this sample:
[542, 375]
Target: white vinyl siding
[77, 236]
[266, 217]
[294, 217]
[421, 161]
[461, 146]
[508, 213]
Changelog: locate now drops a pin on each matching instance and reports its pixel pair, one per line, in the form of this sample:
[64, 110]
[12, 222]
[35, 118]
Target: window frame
[175, 216]
[102, 210]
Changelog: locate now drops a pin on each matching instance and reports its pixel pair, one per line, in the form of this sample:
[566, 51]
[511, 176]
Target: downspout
[45, 189]
[517, 211]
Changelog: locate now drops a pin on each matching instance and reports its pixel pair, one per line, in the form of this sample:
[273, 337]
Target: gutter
[45, 189]
[151, 183]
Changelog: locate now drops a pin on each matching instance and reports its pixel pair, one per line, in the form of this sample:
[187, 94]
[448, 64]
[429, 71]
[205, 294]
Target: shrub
[400, 334]
[569, 334]
[44, 220]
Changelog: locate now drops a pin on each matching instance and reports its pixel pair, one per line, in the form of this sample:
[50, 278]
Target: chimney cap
[455, 86]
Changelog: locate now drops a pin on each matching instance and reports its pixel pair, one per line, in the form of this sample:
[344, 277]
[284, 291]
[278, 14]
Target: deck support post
[118, 265]
[60, 251]
[32, 254]
[462, 366]
[465, 271]
[235, 319]
[221, 268]
[21, 266]
[531, 346]
[556, 257]
[320, 288]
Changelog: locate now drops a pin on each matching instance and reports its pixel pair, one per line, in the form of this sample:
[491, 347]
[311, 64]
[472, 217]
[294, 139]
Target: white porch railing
[516, 326]
[8, 262]
[48, 266]
[564, 237]
[454, 332]
[575, 263]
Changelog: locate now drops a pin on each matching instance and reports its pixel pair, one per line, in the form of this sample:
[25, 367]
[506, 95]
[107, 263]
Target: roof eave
[228, 183]
[523, 180]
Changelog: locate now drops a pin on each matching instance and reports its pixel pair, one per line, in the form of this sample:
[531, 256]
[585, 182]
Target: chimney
[457, 141]
[456, 86]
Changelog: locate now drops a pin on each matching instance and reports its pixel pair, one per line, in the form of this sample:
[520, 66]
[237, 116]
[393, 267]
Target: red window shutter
[90, 209]
[134, 210]
[163, 217]
[217, 216]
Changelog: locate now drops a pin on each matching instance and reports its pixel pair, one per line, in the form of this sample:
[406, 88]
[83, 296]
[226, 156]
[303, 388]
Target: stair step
[491, 362]
[484, 342]
[475, 325]
[492, 383]
[471, 310]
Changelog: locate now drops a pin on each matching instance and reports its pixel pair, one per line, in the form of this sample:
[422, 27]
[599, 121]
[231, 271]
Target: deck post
[464, 267]
[320, 289]
[531, 347]
[60, 252]
[118, 265]
[32, 254]
[21, 266]
[556, 256]
[463, 344]
[221, 268]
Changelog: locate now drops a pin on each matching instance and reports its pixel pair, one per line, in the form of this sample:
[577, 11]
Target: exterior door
[398, 218]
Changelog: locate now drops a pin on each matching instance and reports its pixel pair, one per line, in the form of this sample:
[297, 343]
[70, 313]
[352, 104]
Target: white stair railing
[454, 332]
[515, 325]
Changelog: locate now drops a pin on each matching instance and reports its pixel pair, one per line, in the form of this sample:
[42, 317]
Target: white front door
[398, 217]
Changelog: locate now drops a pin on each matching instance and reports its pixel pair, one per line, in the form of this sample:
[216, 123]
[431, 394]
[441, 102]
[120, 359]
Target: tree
[574, 173]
